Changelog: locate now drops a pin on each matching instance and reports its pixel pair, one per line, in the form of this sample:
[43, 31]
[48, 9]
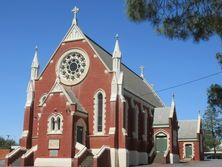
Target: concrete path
[210, 163]
[2, 163]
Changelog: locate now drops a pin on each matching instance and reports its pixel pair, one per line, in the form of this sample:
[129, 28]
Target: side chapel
[87, 108]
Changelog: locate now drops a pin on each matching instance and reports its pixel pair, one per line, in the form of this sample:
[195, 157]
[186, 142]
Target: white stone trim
[80, 114]
[81, 123]
[187, 140]
[82, 76]
[123, 157]
[112, 131]
[199, 124]
[82, 149]
[33, 149]
[165, 133]
[114, 88]
[30, 93]
[19, 148]
[114, 157]
[53, 162]
[100, 151]
[95, 117]
[74, 34]
[56, 130]
[25, 133]
[184, 149]
[174, 158]
[152, 151]
[161, 126]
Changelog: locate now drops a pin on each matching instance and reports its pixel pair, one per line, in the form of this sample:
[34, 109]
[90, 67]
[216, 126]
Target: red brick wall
[197, 155]
[3, 153]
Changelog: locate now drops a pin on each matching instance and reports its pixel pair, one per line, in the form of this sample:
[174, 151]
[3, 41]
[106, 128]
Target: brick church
[86, 108]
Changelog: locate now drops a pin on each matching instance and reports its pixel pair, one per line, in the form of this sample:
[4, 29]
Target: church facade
[87, 108]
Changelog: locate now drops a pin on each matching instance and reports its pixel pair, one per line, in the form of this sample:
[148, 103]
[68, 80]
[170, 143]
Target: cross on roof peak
[75, 11]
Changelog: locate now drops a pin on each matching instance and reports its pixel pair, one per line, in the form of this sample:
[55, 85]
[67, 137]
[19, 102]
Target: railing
[15, 152]
[14, 155]
[102, 157]
[82, 149]
[152, 151]
[33, 149]
[81, 155]
[102, 149]
[167, 156]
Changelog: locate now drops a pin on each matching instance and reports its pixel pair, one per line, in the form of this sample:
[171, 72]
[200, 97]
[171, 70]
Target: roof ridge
[111, 56]
[189, 120]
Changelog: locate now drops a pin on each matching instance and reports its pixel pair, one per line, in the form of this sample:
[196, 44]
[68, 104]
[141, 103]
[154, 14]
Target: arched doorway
[161, 143]
[81, 131]
[188, 151]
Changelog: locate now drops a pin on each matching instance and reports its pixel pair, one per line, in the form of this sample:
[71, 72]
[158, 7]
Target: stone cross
[75, 10]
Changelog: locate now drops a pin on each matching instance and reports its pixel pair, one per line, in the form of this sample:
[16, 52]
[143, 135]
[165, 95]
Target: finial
[117, 36]
[173, 96]
[142, 71]
[75, 10]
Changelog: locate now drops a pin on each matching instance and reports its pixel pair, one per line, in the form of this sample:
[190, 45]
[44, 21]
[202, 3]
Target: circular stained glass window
[73, 67]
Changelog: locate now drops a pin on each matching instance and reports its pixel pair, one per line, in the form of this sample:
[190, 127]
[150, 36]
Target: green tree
[6, 143]
[180, 19]
[212, 129]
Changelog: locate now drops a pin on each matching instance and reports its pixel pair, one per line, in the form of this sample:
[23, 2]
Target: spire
[35, 65]
[117, 52]
[173, 100]
[35, 62]
[142, 71]
[75, 10]
[116, 55]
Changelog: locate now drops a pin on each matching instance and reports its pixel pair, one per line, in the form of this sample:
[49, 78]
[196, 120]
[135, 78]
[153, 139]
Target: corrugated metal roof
[187, 129]
[161, 116]
[132, 82]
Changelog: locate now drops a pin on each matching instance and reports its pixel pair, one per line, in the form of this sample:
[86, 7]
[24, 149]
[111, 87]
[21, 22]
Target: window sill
[54, 133]
[99, 135]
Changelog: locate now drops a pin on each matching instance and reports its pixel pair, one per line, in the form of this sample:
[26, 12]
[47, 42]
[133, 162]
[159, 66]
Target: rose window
[73, 67]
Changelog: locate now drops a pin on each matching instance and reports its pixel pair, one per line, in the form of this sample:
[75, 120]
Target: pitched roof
[188, 129]
[74, 99]
[132, 82]
[161, 116]
[68, 93]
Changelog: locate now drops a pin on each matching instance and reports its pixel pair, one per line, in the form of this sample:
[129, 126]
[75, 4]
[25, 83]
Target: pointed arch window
[55, 124]
[52, 124]
[99, 112]
[58, 123]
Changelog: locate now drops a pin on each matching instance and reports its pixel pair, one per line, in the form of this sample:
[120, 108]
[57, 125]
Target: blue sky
[25, 24]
